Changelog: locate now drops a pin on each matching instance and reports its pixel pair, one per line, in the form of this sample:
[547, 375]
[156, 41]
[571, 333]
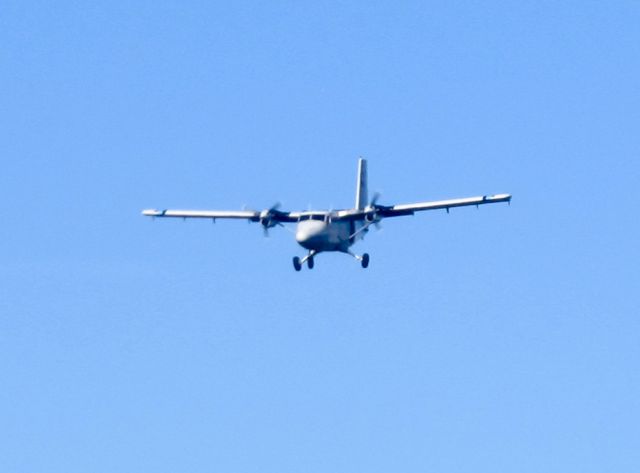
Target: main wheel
[310, 262]
[296, 263]
[365, 260]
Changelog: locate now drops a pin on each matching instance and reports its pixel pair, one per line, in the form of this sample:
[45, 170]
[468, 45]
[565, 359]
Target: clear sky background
[500, 339]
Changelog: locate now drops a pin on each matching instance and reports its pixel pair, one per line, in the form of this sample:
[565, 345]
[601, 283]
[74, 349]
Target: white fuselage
[325, 235]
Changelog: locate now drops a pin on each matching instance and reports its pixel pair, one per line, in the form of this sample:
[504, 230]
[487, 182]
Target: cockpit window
[318, 217]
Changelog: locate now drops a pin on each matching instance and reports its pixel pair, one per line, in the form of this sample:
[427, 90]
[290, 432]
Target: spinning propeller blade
[266, 218]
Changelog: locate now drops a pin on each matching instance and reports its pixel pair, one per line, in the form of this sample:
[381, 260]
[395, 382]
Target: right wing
[267, 217]
[241, 214]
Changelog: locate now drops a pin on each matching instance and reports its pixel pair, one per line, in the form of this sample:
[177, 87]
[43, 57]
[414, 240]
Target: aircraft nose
[308, 231]
[303, 234]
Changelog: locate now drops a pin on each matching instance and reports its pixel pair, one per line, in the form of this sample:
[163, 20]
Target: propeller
[267, 218]
[373, 218]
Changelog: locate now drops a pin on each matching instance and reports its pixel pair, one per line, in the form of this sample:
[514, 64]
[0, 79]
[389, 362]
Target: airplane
[321, 231]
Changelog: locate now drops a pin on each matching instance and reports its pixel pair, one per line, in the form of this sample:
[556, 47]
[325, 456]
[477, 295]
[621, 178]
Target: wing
[266, 217]
[408, 209]
[240, 214]
[377, 212]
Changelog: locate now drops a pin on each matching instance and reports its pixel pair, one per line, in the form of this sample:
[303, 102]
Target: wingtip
[151, 212]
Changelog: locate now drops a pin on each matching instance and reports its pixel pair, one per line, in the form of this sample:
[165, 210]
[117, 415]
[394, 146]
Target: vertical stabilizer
[362, 199]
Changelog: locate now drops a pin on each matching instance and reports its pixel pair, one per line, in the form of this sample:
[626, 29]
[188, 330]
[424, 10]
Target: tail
[362, 199]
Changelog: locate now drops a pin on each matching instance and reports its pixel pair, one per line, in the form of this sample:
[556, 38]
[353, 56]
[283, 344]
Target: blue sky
[498, 339]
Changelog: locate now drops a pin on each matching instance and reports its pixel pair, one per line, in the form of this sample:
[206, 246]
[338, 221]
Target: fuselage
[325, 235]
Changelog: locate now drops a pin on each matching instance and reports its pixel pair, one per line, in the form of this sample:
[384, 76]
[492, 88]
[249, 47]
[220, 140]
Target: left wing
[376, 212]
[408, 209]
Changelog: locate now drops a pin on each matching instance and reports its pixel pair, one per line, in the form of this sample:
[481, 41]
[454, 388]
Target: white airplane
[332, 230]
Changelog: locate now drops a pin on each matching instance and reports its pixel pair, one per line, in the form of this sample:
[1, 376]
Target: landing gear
[310, 261]
[296, 263]
[364, 259]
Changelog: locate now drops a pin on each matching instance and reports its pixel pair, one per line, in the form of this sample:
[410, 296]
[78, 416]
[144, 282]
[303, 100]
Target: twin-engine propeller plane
[332, 230]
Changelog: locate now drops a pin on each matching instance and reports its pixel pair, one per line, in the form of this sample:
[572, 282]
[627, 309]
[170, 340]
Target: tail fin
[362, 199]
